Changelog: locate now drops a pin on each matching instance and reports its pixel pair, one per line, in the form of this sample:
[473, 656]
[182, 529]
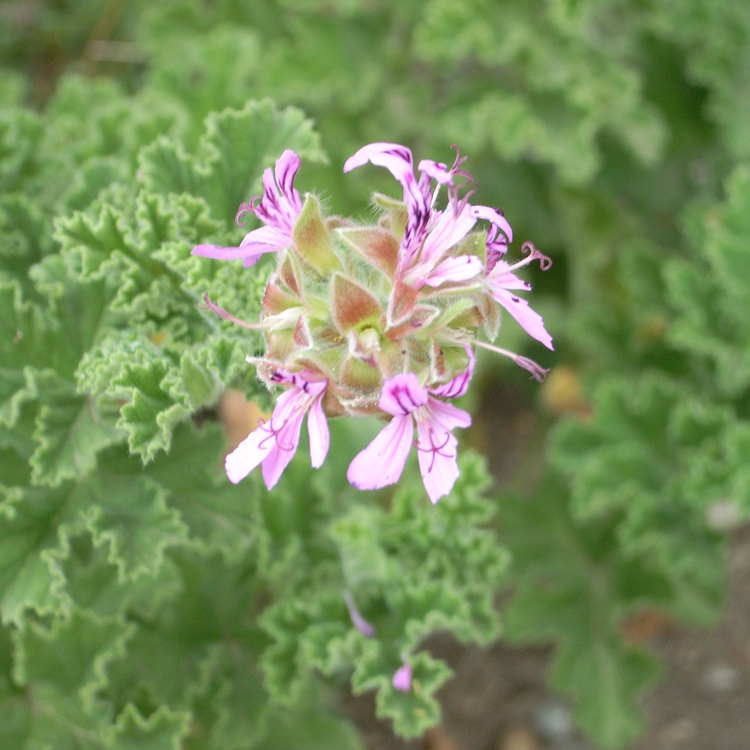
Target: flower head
[274, 443]
[278, 208]
[378, 319]
[382, 462]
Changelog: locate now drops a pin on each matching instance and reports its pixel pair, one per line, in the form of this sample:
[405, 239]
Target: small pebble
[573, 745]
[519, 739]
[674, 735]
[439, 739]
[721, 678]
[553, 721]
[723, 515]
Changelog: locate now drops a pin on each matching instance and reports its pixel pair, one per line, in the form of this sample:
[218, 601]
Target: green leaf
[572, 585]
[619, 675]
[26, 334]
[71, 656]
[417, 710]
[20, 133]
[172, 656]
[62, 670]
[222, 517]
[710, 296]
[163, 730]
[129, 513]
[70, 432]
[237, 146]
[29, 526]
[152, 413]
[94, 583]
[24, 237]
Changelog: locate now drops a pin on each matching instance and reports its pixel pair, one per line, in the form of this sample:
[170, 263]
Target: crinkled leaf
[163, 730]
[237, 146]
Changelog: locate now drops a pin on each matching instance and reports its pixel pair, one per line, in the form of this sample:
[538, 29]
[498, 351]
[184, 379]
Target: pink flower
[430, 235]
[382, 462]
[275, 442]
[503, 283]
[278, 208]
[402, 678]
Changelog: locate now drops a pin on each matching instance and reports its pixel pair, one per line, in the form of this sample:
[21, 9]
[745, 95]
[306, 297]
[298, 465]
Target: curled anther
[459, 160]
[538, 372]
[274, 434]
[239, 218]
[545, 262]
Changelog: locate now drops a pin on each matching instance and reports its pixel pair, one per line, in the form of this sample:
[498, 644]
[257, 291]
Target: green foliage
[710, 293]
[574, 586]
[146, 602]
[401, 567]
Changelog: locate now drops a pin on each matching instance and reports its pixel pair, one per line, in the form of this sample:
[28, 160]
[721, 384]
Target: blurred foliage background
[614, 134]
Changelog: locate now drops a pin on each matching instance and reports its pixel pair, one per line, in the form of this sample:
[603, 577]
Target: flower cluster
[378, 319]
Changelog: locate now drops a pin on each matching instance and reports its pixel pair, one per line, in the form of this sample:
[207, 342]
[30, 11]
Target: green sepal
[395, 213]
[447, 316]
[376, 245]
[311, 241]
[352, 306]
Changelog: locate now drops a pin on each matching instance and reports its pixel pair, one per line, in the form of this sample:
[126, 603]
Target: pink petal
[530, 321]
[382, 462]
[281, 433]
[358, 621]
[495, 217]
[462, 268]
[395, 158]
[402, 679]
[287, 443]
[317, 429]
[287, 167]
[436, 171]
[402, 394]
[437, 460]
[500, 276]
[248, 454]
[449, 229]
[444, 416]
[460, 384]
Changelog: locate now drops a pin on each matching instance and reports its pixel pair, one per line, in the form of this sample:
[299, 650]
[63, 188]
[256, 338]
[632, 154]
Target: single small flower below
[275, 442]
[411, 405]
